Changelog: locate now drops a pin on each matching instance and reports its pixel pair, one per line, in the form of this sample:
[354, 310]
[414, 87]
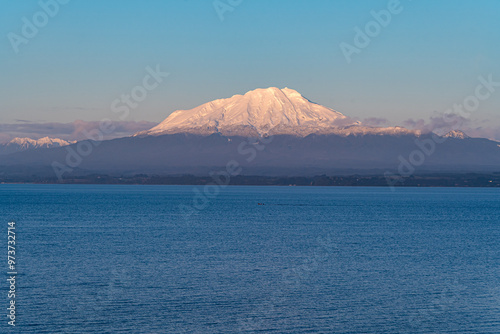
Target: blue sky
[426, 59]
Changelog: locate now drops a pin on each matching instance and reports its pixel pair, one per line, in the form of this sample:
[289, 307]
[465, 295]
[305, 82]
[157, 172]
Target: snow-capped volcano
[261, 111]
[269, 111]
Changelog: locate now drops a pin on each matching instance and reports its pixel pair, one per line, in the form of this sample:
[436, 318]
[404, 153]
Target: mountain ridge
[266, 132]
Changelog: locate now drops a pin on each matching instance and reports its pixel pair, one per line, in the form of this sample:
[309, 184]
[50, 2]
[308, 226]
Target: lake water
[126, 259]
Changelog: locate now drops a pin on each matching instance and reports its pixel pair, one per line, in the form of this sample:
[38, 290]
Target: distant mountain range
[273, 132]
[24, 144]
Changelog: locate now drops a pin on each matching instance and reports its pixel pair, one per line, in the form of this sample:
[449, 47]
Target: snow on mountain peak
[457, 134]
[22, 141]
[258, 112]
[46, 142]
[264, 111]
[23, 144]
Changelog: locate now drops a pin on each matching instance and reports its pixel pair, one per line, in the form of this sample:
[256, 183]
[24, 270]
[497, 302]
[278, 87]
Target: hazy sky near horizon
[428, 57]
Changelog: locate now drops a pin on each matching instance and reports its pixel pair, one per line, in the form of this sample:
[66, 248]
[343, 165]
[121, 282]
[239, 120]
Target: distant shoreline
[478, 180]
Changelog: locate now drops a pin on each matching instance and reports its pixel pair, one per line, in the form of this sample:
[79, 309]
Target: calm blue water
[124, 259]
